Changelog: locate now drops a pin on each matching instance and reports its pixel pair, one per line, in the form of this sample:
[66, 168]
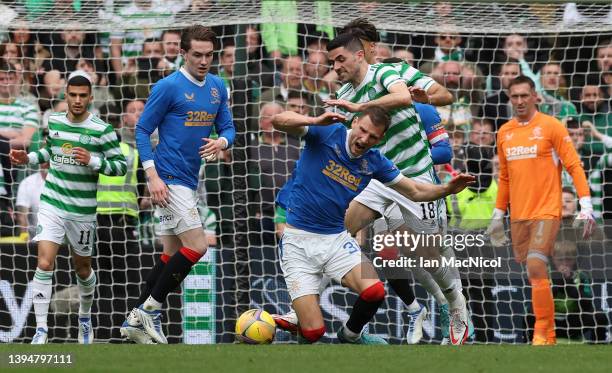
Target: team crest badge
[364, 167]
[372, 93]
[337, 150]
[85, 139]
[214, 96]
[537, 134]
[39, 229]
[190, 98]
[509, 136]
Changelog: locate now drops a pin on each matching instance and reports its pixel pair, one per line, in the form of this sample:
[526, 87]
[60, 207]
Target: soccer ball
[255, 327]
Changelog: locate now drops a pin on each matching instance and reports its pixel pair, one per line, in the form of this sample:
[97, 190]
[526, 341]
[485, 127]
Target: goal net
[272, 57]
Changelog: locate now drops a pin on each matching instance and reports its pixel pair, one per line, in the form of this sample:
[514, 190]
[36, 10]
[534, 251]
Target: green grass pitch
[322, 358]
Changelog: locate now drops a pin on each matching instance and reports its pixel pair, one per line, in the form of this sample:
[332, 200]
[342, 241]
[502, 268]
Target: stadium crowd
[288, 69]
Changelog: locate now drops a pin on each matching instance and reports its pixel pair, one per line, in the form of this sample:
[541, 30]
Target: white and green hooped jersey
[405, 142]
[71, 187]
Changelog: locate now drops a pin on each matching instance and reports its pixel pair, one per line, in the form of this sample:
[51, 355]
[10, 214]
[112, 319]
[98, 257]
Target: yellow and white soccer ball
[255, 327]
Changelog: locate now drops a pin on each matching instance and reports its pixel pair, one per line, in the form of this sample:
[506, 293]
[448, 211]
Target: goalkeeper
[79, 147]
[532, 148]
[183, 107]
[334, 167]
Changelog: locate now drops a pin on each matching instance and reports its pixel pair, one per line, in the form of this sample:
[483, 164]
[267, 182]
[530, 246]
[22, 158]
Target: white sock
[446, 280]
[428, 283]
[151, 304]
[349, 334]
[448, 253]
[42, 288]
[413, 307]
[87, 287]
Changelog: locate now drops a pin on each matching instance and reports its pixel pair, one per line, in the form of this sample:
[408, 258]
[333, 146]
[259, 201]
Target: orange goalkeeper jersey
[530, 159]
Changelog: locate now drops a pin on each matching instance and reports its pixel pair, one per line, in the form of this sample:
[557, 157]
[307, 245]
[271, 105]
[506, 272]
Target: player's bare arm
[421, 192]
[399, 97]
[294, 123]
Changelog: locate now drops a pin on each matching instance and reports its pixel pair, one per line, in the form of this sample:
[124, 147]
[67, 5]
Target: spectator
[135, 17]
[576, 132]
[276, 154]
[575, 314]
[604, 56]
[405, 54]
[600, 178]
[103, 99]
[457, 141]
[496, 106]
[7, 225]
[382, 52]
[595, 110]
[28, 199]
[471, 209]
[458, 115]
[553, 90]
[448, 47]
[32, 51]
[51, 90]
[316, 68]
[292, 76]
[570, 205]
[11, 52]
[515, 48]
[68, 50]
[24, 67]
[260, 70]
[297, 103]
[129, 118]
[19, 120]
[171, 43]
[137, 79]
[607, 82]
[226, 60]
[482, 133]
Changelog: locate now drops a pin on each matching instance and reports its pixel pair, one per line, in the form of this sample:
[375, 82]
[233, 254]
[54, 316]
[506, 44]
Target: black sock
[403, 289]
[174, 273]
[363, 312]
[152, 278]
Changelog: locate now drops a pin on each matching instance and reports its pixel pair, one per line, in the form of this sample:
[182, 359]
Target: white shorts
[80, 235]
[420, 217]
[305, 257]
[182, 214]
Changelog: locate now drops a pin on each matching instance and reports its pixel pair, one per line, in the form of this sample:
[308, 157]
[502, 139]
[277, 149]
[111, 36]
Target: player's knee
[46, 264]
[537, 266]
[83, 271]
[198, 244]
[374, 293]
[312, 335]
